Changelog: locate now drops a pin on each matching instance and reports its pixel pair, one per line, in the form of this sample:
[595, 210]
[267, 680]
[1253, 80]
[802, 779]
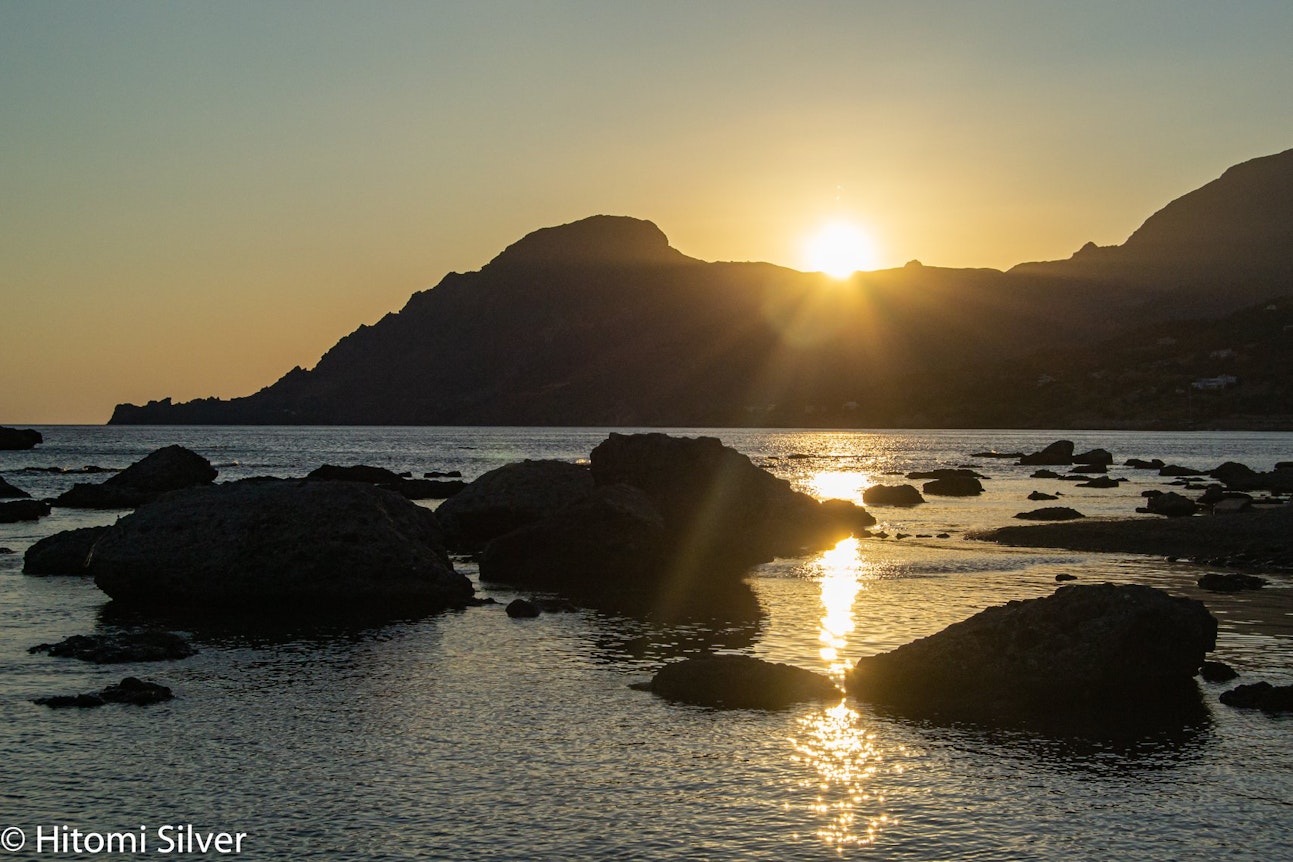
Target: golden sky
[195, 197]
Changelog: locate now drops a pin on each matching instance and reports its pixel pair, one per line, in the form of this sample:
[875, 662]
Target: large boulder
[1171, 505]
[718, 507]
[282, 549]
[1059, 452]
[19, 438]
[170, 468]
[11, 492]
[65, 553]
[510, 497]
[1098, 647]
[1094, 457]
[739, 682]
[892, 495]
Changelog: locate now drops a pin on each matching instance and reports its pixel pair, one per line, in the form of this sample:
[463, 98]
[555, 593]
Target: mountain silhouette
[601, 322]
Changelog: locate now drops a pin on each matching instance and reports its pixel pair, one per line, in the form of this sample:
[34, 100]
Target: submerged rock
[65, 553]
[280, 548]
[11, 492]
[1260, 695]
[739, 682]
[120, 648]
[1038, 495]
[1085, 646]
[131, 690]
[1218, 582]
[521, 609]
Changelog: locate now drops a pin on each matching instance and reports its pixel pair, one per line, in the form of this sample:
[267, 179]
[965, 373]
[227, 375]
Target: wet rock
[1177, 470]
[280, 548]
[1260, 695]
[892, 495]
[1217, 671]
[1095, 646]
[1051, 513]
[65, 553]
[739, 682]
[946, 473]
[954, 486]
[1063, 577]
[120, 648]
[71, 701]
[1014, 456]
[1038, 495]
[1232, 506]
[355, 473]
[510, 497]
[1089, 468]
[19, 438]
[522, 609]
[170, 468]
[1045, 474]
[427, 489]
[438, 474]
[1059, 452]
[1171, 505]
[1218, 582]
[13, 511]
[1237, 477]
[10, 492]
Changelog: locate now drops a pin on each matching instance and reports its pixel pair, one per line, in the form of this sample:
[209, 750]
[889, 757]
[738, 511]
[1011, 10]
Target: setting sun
[839, 249]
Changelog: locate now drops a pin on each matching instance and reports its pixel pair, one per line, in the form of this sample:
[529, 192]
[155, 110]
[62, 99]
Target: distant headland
[600, 322]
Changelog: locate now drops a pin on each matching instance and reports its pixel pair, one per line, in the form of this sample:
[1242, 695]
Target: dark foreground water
[469, 735]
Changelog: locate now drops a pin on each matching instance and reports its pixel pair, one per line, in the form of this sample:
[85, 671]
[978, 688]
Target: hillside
[601, 322]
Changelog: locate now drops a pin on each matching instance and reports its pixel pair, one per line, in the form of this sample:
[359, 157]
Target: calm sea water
[469, 735]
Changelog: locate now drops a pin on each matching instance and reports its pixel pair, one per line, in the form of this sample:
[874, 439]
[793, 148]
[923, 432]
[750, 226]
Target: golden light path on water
[834, 741]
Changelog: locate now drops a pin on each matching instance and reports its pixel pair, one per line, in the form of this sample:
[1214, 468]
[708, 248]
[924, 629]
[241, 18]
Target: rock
[167, 469]
[1232, 506]
[65, 553]
[1101, 482]
[1260, 695]
[136, 691]
[892, 495]
[1094, 457]
[1009, 455]
[427, 489]
[1063, 577]
[1089, 468]
[1230, 583]
[522, 609]
[954, 486]
[1141, 464]
[120, 648]
[946, 473]
[279, 548]
[510, 497]
[19, 438]
[14, 511]
[9, 492]
[1171, 505]
[1045, 474]
[356, 473]
[1093, 646]
[130, 690]
[716, 504]
[170, 468]
[1038, 495]
[1176, 470]
[1059, 452]
[1051, 513]
[1217, 671]
[1237, 477]
[739, 682]
[612, 538]
[556, 606]
[436, 474]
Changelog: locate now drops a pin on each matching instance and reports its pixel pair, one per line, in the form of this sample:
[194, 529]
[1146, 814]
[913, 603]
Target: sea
[468, 735]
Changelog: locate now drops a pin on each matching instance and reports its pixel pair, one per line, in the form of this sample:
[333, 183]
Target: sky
[196, 197]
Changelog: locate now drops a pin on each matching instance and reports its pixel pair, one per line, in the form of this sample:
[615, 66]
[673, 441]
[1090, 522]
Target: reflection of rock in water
[650, 639]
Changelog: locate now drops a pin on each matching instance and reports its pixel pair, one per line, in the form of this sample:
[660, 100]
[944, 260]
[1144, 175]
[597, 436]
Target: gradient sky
[195, 197]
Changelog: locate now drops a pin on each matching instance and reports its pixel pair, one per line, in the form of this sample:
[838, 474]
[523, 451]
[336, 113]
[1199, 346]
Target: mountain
[600, 322]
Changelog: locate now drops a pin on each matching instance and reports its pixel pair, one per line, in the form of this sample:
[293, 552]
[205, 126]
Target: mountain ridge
[602, 322]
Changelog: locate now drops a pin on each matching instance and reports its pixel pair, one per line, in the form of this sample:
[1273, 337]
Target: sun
[839, 249]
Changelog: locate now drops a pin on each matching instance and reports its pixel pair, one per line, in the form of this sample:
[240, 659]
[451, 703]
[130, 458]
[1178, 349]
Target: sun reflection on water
[834, 741]
[839, 485]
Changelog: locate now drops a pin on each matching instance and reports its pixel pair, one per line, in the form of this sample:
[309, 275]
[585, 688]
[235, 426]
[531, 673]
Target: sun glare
[839, 249]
